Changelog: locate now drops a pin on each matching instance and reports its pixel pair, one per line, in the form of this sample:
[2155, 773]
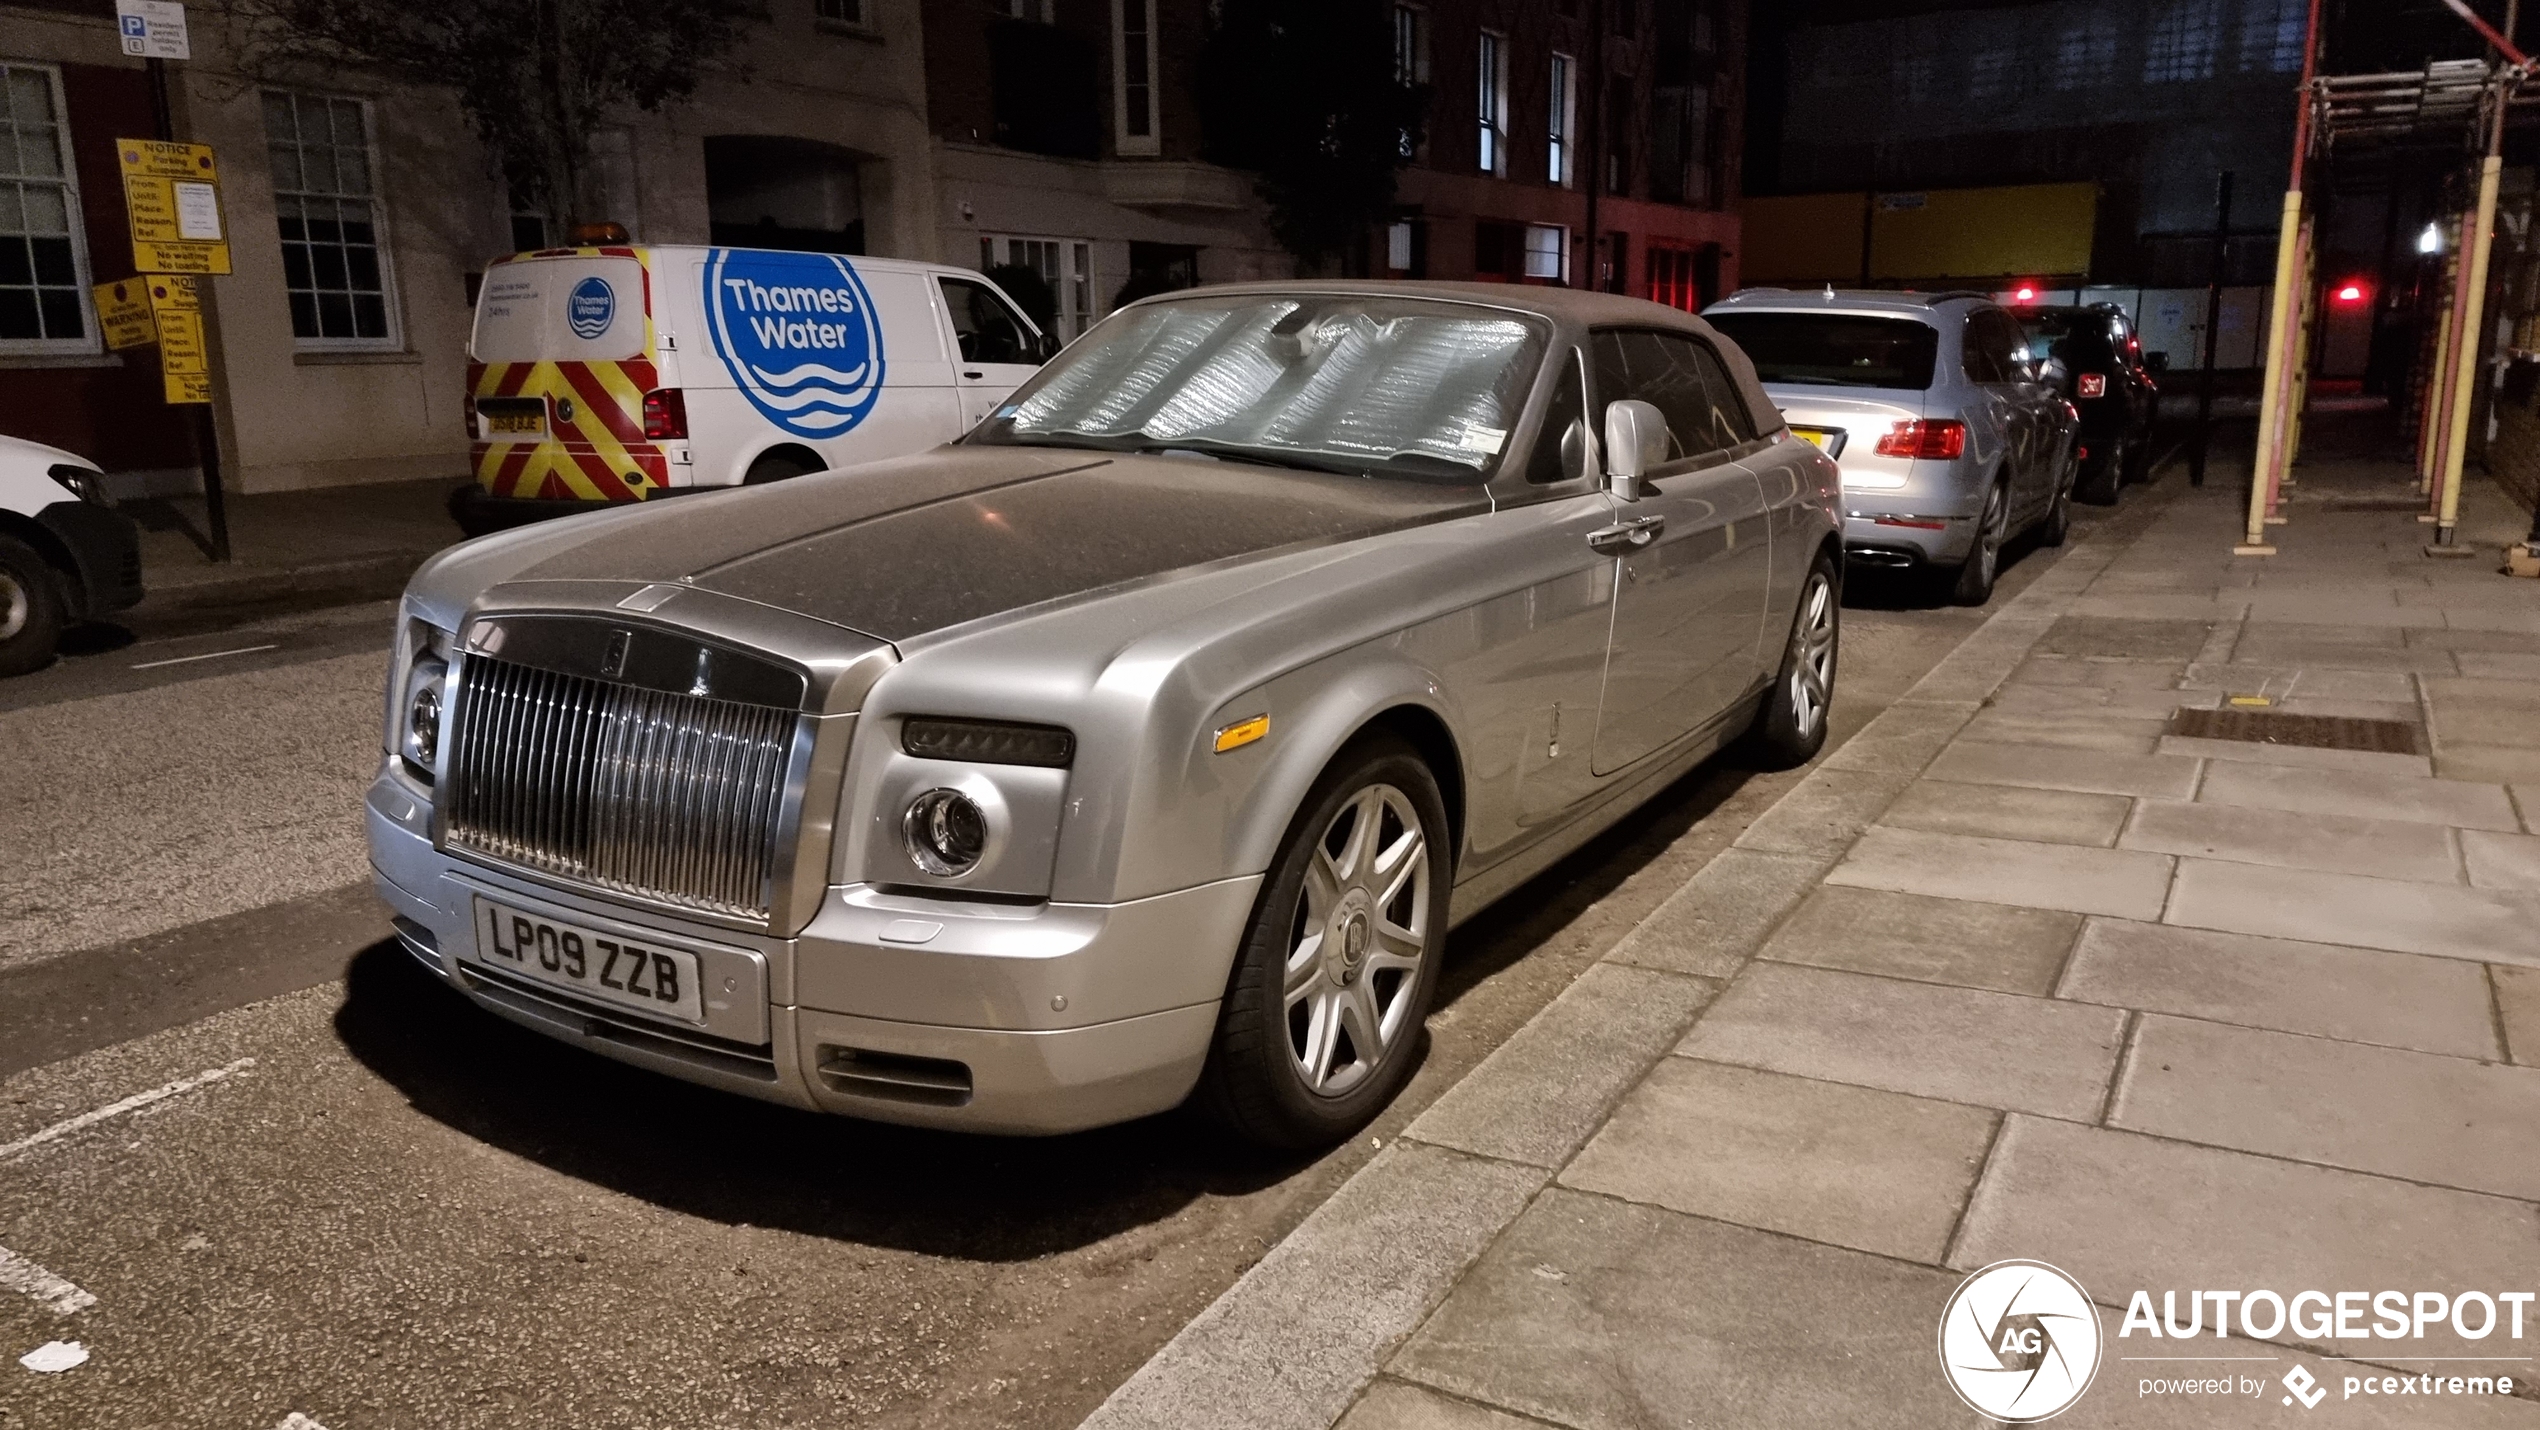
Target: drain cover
[2316, 732]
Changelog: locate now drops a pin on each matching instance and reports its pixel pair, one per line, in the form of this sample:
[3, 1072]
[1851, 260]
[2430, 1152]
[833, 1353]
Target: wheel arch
[812, 460]
[65, 567]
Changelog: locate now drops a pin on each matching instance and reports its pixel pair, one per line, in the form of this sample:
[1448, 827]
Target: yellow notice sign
[171, 193]
[123, 310]
[185, 359]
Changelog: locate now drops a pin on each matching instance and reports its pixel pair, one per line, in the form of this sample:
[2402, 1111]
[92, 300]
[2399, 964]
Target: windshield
[1365, 385]
[1833, 349]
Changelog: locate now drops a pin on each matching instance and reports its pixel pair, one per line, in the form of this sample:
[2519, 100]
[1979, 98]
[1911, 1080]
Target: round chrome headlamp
[422, 739]
[945, 831]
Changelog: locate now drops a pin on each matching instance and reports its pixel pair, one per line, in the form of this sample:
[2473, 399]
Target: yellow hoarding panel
[185, 387]
[123, 311]
[1801, 239]
[175, 290]
[2020, 231]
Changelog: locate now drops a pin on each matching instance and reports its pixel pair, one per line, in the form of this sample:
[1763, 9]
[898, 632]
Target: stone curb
[378, 576]
[1294, 1342]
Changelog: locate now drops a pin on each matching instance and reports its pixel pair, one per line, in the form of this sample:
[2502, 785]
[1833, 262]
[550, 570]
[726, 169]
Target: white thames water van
[622, 373]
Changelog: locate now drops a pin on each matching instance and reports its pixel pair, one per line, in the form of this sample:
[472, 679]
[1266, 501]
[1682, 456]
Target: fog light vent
[935, 1082]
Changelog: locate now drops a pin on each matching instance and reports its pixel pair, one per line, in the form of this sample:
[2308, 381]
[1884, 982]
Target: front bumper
[106, 547]
[988, 1018]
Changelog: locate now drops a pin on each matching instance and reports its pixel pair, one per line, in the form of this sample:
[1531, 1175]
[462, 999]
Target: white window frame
[1073, 285]
[1151, 142]
[1490, 83]
[1530, 264]
[847, 13]
[91, 341]
[391, 306]
[1561, 160]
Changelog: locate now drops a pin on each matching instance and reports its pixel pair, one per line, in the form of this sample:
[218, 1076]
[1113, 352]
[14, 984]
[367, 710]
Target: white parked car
[65, 555]
[607, 375]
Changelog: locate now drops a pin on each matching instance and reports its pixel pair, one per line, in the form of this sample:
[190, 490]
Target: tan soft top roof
[1571, 306]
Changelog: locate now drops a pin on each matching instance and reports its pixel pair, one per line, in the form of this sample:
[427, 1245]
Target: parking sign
[152, 29]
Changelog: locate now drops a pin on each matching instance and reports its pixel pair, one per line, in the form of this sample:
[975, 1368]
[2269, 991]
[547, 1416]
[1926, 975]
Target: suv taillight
[2094, 384]
[665, 414]
[1939, 438]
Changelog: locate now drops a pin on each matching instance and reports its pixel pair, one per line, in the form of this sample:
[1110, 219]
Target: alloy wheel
[1812, 657]
[1997, 512]
[1361, 930]
[16, 606]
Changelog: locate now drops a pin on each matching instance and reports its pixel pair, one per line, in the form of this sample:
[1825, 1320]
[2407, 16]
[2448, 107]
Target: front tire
[1791, 727]
[1331, 986]
[31, 608]
[2099, 481]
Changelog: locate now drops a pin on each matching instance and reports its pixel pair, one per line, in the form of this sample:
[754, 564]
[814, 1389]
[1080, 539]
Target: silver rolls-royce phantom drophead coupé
[1140, 746]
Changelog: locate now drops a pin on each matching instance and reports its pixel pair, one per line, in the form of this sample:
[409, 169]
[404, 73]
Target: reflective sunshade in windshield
[1834, 349]
[1390, 387]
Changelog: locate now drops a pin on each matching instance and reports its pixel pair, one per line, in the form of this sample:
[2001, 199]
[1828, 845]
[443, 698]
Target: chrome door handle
[1627, 535]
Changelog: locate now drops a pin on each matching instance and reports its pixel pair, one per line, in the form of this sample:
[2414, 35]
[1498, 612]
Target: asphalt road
[368, 1204]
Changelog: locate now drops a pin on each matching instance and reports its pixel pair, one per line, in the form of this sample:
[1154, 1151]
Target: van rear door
[563, 351]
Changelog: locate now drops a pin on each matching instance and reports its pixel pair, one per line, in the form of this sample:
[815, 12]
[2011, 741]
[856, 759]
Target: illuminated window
[2271, 36]
[1491, 91]
[2086, 51]
[2181, 45]
[1548, 252]
[1562, 105]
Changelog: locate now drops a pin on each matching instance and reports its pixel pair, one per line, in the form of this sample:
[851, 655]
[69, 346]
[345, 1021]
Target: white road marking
[117, 1109]
[53, 1356]
[208, 655]
[50, 1291]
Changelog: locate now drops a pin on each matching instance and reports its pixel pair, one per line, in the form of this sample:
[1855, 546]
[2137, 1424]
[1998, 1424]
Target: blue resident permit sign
[798, 333]
[590, 308]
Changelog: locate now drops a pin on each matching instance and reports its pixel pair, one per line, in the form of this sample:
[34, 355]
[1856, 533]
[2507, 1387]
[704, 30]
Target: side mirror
[2053, 373]
[1045, 346]
[1635, 441]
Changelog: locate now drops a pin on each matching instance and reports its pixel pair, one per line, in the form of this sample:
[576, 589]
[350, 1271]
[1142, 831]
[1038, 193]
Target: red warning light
[2025, 294]
[2350, 293]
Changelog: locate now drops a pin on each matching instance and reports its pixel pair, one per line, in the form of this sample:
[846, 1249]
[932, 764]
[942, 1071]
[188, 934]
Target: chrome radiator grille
[676, 797]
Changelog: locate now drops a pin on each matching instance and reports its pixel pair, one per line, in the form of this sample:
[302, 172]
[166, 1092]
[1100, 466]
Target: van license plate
[646, 975]
[505, 423]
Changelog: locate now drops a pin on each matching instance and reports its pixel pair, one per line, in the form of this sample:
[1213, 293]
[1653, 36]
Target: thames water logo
[2019, 1341]
[799, 335]
[590, 308]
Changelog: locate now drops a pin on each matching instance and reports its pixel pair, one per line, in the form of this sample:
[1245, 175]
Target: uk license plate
[643, 974]
[1826, 440]
[505, 424]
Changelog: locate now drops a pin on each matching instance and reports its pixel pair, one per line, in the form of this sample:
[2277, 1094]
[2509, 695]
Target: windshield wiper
[1250, 456]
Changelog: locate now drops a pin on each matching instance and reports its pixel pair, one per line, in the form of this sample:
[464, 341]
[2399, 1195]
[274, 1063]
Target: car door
[1695, 555]
[995, 349]
[2015, 399]
[1530, 692]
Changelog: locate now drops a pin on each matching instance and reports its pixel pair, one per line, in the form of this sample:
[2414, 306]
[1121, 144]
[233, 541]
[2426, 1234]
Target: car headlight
[425, 691]
[82, 482]
[946, 832]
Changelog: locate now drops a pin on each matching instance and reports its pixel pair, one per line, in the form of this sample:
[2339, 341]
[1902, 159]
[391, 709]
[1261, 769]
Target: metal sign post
[172, 195]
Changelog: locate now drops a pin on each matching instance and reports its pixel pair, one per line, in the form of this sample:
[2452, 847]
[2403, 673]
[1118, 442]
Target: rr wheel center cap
[1349, 938]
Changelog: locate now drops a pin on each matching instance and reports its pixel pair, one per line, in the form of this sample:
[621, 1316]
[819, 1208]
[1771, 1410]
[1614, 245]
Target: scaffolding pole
[2266, 463]
[2438, 381]
[2468, 338]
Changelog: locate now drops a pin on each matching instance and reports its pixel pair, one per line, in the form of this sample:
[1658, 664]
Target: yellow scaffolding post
[2438, 383]
[2301, 400]
[2277, 393]
[2267, 462]
[2470, 340]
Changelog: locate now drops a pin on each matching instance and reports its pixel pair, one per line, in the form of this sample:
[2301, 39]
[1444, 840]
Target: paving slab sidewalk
[2015, 973]
[350, 543]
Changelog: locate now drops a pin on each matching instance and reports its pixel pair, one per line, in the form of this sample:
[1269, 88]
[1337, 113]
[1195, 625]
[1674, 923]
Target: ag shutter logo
[590, 308]
[799, 335]
[2019, 1341]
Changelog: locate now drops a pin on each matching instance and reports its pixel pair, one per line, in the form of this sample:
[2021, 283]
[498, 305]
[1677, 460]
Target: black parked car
[2108, 382]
